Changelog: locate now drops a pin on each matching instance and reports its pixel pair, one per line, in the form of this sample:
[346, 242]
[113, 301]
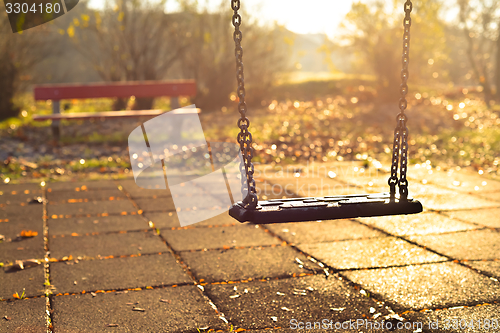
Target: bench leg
[56, 131]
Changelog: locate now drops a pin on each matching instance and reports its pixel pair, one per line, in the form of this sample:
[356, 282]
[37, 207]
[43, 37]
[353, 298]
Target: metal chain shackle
[401, 132]
[244, 137]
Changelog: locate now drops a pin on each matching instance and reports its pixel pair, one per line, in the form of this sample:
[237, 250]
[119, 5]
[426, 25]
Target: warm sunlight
[314, 16]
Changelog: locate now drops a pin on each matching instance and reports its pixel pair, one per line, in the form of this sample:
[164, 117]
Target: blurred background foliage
[338, 91]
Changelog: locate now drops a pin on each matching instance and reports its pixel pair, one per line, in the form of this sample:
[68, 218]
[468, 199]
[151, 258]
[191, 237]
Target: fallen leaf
[138, 309]
[7, 318]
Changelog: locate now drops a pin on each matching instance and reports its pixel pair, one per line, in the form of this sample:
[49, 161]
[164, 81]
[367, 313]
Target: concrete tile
[241, 264]
[93, 208]
[12, 212]
[480, 244]
[13, 189]
[28, 248]
[117, 273]
[26, 315]
[91, 195]
[83, 225]
[217, 238]
[375, 252]
[106, 245]
[31, 279]
[163, 220]
[305, 299]
[19, 199]
[91, 185]
[490, 267]
[170, 220]
[427, 286]
[484, 217]
[461, 319]
[322, 231]
[305, 187]
[462, 181]
[135, 191]
[449, 200]
[185, 310]
[417, 224]
[159, 204]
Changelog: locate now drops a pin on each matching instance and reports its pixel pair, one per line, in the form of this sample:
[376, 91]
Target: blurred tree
[480, 24]
[373, 31]
[131, 40]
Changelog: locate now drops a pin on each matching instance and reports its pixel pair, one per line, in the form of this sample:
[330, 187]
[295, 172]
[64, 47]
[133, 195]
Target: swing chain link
[244, 137]
[401, 132]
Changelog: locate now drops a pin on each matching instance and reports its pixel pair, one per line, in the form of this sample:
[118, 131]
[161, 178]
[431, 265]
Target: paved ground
[113, 258]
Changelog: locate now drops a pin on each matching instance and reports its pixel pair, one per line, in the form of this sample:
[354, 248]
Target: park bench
[142, 89]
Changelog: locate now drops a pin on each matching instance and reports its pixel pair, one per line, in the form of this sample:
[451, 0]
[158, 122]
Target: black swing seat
[324, 208]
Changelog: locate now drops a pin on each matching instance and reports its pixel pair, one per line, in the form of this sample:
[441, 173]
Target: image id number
[26, 8]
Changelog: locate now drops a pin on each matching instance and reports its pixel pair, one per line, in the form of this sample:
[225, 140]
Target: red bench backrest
[116, 89]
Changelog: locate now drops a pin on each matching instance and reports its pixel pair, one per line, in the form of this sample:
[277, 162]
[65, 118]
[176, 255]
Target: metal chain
[244, 137]
[401, 132]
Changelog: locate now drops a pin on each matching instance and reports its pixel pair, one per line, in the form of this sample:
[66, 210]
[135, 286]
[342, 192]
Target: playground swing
[328, 207]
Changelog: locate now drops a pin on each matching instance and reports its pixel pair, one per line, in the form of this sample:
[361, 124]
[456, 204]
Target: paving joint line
[94, 293]
[46, 263]
[179, 260]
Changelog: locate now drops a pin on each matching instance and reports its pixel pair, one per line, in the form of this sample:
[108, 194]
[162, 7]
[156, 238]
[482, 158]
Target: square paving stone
[91, 185]
[83, 225]
[12, 229]
[485, 217]
[11, 212]
[305, 187]
[428, 286]
[458, 180]
[117, 273]
[490, 267]
[106, 245]
[170, 220]
[461, 319]
[184, 310]
[101, 195]
[449, 200]
[241, 264]
[479, 244]
[27, 248]
[135, 191]
[417, 224]
[19, 199]
[366, 253]
[219, 237]
[322, 231]
[307, 299]
[27, 315]
[93, 207]
[30, 279]
[160, 204]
